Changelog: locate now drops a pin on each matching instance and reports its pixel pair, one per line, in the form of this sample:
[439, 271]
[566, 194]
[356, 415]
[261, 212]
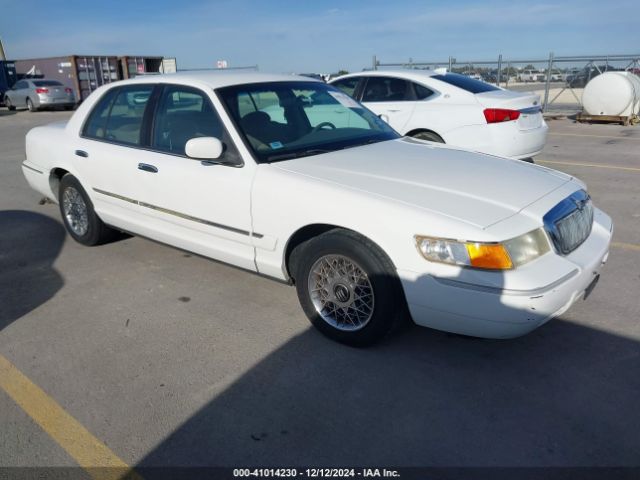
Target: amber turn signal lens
[492, 256]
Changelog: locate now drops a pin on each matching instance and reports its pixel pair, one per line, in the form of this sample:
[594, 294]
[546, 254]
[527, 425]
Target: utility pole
[2, 55]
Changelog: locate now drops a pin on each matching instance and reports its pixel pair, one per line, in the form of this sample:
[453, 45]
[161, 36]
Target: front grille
[569, 223]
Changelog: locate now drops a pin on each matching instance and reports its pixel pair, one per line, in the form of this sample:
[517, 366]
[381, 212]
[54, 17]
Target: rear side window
[465, 83]
[97, 122]
[348, 85]
[422, 92]
[386, 89]
[46, 83]
[118, 115]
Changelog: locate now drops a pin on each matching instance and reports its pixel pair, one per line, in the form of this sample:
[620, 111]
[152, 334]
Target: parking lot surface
[172, 359]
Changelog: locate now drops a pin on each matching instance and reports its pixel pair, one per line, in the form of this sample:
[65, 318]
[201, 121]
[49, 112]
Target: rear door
[392, 98]
[108, 151]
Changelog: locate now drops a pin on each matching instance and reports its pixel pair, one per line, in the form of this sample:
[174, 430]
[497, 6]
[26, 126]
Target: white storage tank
[612, 93]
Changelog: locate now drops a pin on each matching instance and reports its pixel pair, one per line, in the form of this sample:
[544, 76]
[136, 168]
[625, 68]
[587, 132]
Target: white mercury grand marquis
[293, 179]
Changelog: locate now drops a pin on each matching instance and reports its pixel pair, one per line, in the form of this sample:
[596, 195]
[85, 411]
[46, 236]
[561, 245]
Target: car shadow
[29, 244]
[7, 113]
[564, 395]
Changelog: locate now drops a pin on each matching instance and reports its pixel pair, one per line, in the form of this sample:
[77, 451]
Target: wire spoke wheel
[75, 211]
[341, 292]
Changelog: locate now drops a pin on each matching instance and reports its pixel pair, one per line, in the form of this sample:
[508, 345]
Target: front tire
[78, 215]
[347, 287]
[30, 106]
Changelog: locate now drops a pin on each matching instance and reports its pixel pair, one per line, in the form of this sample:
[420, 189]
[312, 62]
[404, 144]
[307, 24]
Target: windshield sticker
[276, 145]
[344, 99]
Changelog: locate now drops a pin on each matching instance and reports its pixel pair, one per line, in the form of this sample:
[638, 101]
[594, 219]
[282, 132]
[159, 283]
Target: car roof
[406, 73]
[217, 79]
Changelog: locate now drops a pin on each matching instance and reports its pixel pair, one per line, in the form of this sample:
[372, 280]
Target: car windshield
[284, 120]
[46, 83]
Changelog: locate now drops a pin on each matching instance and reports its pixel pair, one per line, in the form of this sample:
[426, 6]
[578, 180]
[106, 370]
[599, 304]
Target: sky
[318, 36]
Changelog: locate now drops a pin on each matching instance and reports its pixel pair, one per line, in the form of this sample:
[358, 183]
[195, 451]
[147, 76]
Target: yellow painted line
[594, 165]
[626, 246]
[593, 136]
[89, 452]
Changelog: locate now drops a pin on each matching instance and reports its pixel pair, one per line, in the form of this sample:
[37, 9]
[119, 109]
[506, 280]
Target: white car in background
[454, 109]
[528, 76]
[293, 179]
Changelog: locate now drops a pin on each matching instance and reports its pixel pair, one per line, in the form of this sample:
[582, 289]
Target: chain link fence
[559, 80]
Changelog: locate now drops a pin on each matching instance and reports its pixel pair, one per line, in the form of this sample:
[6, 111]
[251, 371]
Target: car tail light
[68, 90]
[42, 90]
[498, 115]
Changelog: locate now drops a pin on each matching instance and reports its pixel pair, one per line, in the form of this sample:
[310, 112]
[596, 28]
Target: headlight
[527, 247]
[492, 256]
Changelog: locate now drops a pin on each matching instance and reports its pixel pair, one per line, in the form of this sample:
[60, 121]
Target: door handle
[147, 168]
[82, 153]
[393, 111]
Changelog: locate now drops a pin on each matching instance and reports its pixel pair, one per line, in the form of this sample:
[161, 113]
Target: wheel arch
[55, 176]
[313, 230]
[411, 133]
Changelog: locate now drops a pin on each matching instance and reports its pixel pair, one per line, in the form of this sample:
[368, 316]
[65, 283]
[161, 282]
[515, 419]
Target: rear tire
[30, 106]
[428, 136]
[78, 215]
[347, 287]
[7, 102]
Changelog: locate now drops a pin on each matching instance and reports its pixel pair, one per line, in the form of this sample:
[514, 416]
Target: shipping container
[85, 73]
[7, 77]
[131, 66]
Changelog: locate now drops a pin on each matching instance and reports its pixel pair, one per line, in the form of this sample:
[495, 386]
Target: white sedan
[293, 179]
[451, 108]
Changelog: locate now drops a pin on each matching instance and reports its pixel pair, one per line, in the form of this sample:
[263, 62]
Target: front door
[18, 94]
[196, 205]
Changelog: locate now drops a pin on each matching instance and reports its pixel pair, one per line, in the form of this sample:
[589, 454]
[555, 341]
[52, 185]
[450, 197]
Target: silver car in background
[36, 94]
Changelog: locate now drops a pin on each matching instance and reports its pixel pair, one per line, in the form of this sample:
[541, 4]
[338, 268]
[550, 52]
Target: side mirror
[204, 148]
[384, 117]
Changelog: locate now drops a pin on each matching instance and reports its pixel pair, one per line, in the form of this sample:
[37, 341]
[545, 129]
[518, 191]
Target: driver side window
[184, 113]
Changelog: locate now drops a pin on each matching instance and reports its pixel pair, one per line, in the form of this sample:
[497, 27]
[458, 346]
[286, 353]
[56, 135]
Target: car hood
[475, 188]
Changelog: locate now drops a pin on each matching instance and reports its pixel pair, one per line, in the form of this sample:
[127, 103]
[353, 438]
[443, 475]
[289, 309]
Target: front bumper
[446, 303]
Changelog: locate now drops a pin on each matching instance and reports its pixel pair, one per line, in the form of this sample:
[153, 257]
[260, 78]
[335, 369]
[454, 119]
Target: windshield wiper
[303, 153]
